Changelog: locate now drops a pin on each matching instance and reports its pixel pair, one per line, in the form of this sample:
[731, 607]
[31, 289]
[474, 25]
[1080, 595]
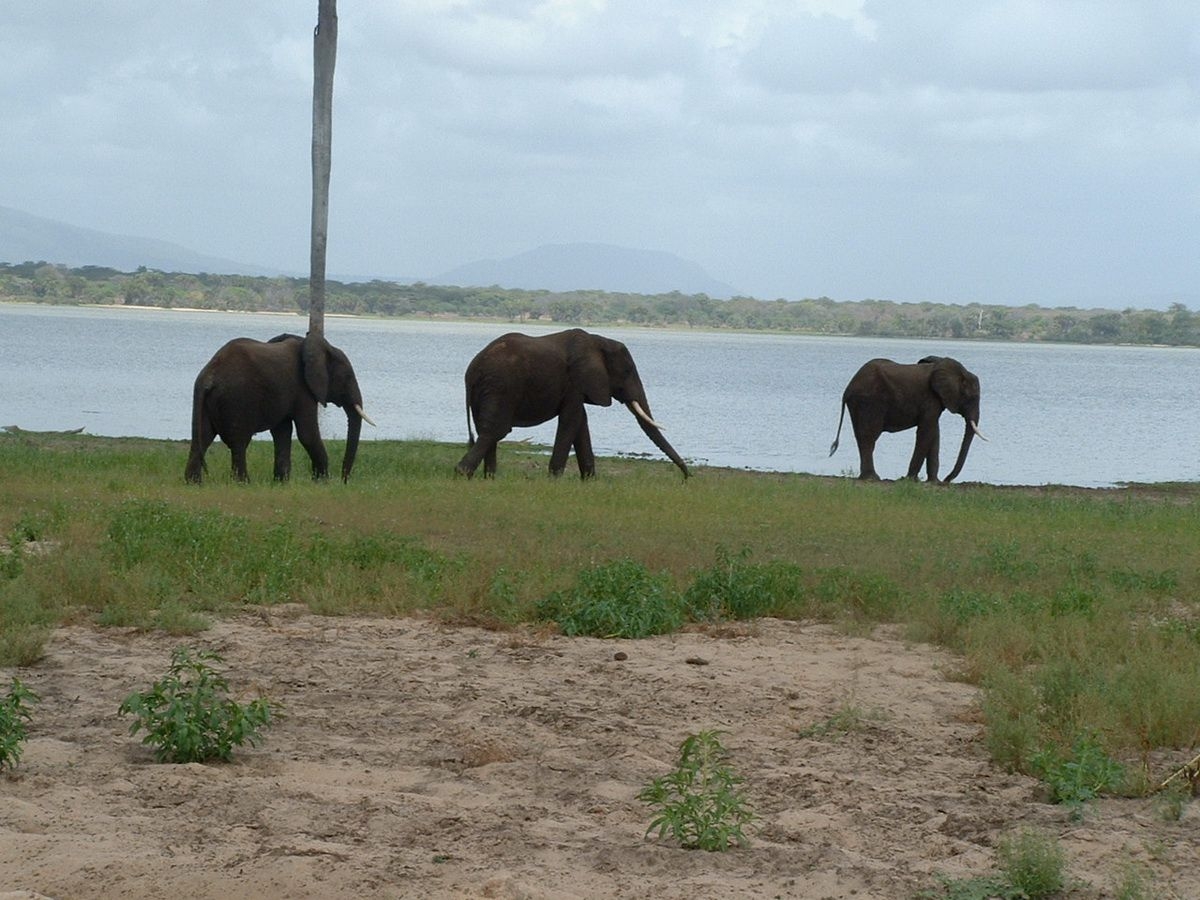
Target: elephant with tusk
[520, 381]
[251, 386]
[888, 396]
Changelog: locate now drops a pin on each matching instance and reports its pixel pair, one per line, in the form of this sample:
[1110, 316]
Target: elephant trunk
[970, 429]
[354, 420]
[654, 432]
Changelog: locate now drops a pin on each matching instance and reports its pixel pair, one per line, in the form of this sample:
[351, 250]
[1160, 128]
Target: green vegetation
[40, 282]
[15, 713]
[700, 803]
[1080, 775]
[1070, 608]
[188, 716]
[621, 599]
[1032, 867]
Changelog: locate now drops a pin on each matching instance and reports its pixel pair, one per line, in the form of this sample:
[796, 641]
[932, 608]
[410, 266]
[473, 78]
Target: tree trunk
[324, 57]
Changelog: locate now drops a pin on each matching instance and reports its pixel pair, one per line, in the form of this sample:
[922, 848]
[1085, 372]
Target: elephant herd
[518, 381]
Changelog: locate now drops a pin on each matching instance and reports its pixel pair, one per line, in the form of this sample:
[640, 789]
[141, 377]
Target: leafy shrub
[732, 588]
[1082, 775]
[1033, 863]
[188, 716]
[700, 803]
[15, 713]
[616, 599]
[980, 887]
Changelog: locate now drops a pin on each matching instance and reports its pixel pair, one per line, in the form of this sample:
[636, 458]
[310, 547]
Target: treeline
[42, 282]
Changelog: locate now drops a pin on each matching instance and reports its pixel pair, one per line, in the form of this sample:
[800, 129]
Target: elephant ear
[946, 382]
[587, 368]
[314, 354]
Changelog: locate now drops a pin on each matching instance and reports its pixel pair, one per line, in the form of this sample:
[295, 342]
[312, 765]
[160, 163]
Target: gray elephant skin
[521, 381]
[251, 386]
[888, 396]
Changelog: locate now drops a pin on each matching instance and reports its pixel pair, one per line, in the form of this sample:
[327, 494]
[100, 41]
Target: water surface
[1066, 414]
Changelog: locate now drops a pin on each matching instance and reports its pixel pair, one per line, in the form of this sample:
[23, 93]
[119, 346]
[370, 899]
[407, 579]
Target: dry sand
[419, 760]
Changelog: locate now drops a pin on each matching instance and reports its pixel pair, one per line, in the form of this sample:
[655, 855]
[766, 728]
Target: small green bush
[188, 716]
[1033, 862]
[620, 599]
[15, 713]
[1079, 776]
[700, 804]
[733, 588]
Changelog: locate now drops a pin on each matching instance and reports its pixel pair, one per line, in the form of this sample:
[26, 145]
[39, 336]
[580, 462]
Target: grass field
[1074, 610]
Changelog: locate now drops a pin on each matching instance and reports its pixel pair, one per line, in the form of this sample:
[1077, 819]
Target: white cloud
[793, 147]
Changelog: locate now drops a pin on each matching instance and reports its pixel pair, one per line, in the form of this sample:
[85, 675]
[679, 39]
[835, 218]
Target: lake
[1053, 414]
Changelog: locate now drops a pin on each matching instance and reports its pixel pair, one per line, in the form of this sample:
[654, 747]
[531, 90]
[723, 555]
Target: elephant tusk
[978, 433]
[641, 414]
[362, 415]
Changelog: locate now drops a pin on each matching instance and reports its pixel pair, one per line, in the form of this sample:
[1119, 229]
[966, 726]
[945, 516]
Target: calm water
[1053, 414]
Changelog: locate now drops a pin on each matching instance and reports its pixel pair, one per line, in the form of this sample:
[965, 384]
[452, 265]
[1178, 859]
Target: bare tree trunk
[324, 57]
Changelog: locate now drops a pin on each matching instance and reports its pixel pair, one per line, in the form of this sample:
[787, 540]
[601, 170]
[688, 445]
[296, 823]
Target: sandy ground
[418, 760]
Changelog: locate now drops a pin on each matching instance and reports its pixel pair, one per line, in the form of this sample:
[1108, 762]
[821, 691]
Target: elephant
[251, 386]
[520, 381]
[888, 396]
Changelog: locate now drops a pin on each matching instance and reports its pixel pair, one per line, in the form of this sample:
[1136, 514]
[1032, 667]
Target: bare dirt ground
[419, 760]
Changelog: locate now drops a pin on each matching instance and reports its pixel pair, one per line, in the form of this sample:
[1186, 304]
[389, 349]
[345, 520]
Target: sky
[1014, 152]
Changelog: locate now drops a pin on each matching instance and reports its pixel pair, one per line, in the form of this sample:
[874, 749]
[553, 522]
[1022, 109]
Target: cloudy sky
[1002, 151]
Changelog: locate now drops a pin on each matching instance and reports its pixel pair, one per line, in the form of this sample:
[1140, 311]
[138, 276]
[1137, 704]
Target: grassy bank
[1074, 610]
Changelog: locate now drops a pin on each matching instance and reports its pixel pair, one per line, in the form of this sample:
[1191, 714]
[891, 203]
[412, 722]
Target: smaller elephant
[251, 386]
[521, 381]
[888, 396]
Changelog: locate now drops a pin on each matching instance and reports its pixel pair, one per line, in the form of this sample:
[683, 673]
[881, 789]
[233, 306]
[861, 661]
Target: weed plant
[1033, 862]
[700, 803]
[621, 599]
[16, 711]
[1070, 608]
[734, 589]
[1032, 866]
[1080, 775]
[187, 715]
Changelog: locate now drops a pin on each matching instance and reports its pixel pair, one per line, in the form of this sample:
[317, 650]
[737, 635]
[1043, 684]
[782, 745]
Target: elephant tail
[838, 436]
[196, 466]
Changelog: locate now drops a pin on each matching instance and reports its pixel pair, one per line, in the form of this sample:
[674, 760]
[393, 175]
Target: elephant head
[958, 391]
[330, 378]
[605, 369]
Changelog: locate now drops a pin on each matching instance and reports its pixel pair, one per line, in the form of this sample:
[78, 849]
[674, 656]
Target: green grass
[1075, 611]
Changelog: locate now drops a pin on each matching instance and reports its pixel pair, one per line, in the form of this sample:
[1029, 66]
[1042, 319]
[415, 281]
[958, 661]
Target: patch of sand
[418, 760]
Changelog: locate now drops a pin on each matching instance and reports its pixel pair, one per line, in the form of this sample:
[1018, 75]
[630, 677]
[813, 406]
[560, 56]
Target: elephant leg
[866, 437]
[925, 452]
[237, 454]
[482, 450]
[584, 455]
[310, 440]
[569, 423]
[194, 472]
[281, 434]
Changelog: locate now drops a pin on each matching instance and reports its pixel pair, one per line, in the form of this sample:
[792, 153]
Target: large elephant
[251, 386]
[889, 396]
[519, 381]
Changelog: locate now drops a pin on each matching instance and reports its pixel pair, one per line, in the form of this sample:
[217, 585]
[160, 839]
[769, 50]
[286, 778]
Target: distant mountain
[29, 238]
[604, 267]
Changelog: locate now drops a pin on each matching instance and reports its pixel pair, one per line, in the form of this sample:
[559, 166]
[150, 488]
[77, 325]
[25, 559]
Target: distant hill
[583, 266]
[28, 238]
